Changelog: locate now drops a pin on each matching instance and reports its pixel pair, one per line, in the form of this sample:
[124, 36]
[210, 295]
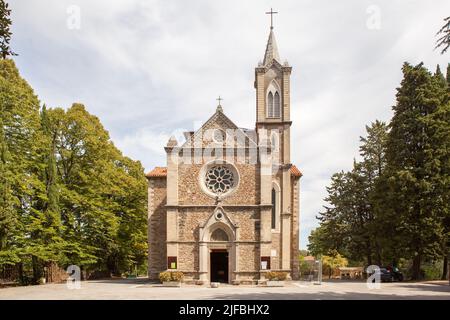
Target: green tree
[414, 172]
[444, 39]
[67, 194]
[102, 201]
[349, 223]
[5, 32]
[19, 138]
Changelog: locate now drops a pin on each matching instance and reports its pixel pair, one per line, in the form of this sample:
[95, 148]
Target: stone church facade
[226, 207]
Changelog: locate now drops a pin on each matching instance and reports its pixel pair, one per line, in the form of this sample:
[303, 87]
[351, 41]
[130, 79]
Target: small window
[171, 262]
[270, 105]
[274, 208]
[265, 263]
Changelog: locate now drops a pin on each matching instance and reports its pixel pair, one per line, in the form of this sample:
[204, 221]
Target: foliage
[167, 276]
[394, 203]
[305, 267]
[276, 275]
[5, 33]
[332, 261]
[444, 39]
[67, 194]
[348, 223]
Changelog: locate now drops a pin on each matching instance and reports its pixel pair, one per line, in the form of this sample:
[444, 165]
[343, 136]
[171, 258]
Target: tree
[415, 176]
[67, 194]
[102, 200]
[444, 40]
[5, 33]
[333, 260]
[349, 224]
[19, 138]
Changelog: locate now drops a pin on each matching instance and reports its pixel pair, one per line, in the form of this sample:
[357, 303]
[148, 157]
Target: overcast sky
[148, 69]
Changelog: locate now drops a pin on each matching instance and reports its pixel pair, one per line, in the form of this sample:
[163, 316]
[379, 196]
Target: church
[226, 206]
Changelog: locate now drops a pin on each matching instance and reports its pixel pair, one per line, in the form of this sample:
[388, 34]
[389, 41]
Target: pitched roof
[157, 172]
[218, 116]
[271, 50]
[161, 172]
[295, 172]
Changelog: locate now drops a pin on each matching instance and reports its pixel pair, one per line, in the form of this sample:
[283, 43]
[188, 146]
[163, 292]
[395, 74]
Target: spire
[271, 50]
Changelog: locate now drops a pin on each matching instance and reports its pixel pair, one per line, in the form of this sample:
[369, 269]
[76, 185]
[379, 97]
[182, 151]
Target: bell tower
[273, 122]
[272, 84]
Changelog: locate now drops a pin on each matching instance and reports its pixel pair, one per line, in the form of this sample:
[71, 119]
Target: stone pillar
[266, 198]
[203, 263]
[286, 221]
[172, 198]
[260, 94]
[286, 92]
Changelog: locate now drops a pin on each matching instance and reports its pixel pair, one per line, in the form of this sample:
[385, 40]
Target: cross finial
[271, 17]
[219, 99]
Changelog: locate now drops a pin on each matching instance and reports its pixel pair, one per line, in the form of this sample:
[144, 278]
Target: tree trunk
[369, 252]
[416, 268]
[445, 269]
[20, 273]
[378, 255]
[36, 274]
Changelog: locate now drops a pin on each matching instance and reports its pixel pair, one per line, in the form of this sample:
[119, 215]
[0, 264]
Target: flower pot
[171, 284]
[275, 283]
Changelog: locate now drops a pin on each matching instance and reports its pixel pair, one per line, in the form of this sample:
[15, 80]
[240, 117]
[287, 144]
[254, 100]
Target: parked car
[390, 274]
[396, 273]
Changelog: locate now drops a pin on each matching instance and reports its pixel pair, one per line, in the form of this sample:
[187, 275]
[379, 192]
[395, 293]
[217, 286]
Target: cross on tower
[219, 99]
[271, 17]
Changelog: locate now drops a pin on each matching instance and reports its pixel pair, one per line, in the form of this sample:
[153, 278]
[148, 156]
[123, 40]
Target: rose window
[219, 179]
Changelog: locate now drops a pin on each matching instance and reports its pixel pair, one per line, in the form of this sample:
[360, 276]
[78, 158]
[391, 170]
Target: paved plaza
[142, 289]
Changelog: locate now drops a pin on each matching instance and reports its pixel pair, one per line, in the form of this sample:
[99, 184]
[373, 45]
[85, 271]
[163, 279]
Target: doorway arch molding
[218, 219]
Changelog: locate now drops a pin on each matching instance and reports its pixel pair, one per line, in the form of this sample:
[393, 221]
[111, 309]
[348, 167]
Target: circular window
[219, 179]
[219, 136]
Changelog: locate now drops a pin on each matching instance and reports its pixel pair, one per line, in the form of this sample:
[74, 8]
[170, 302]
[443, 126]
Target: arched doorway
[219, 263]
[219, 258]
[217, 248]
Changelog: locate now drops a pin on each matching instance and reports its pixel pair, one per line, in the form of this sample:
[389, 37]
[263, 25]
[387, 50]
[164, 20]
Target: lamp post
[319, 272]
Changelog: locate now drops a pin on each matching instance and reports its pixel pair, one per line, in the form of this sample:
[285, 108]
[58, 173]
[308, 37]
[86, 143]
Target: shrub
[167, 276]
[276, 275]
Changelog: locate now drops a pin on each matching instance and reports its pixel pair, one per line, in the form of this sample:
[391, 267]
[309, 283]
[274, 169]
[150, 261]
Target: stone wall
[275, 262]
[157, 227]
[188, 257]
[190, 192]
[249, 257]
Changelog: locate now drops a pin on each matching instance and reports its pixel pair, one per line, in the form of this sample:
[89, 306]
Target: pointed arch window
[276, 105]
[270, 105]
[274, 208]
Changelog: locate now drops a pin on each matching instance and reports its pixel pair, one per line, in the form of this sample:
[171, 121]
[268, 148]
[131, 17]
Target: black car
[390, 274]
[396, 273]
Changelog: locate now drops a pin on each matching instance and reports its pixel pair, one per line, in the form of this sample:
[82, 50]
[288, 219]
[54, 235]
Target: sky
[151, 69]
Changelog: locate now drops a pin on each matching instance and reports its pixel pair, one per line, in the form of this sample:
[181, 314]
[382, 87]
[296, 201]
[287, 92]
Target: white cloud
[149, 68]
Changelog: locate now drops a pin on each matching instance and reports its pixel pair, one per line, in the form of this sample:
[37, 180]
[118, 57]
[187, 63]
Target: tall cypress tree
[414, 172]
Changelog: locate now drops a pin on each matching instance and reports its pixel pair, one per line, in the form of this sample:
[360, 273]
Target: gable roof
[218, 116]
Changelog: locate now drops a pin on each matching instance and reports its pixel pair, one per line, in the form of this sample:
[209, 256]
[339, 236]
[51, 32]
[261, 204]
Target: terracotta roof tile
[158, 172]
[295, 172]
